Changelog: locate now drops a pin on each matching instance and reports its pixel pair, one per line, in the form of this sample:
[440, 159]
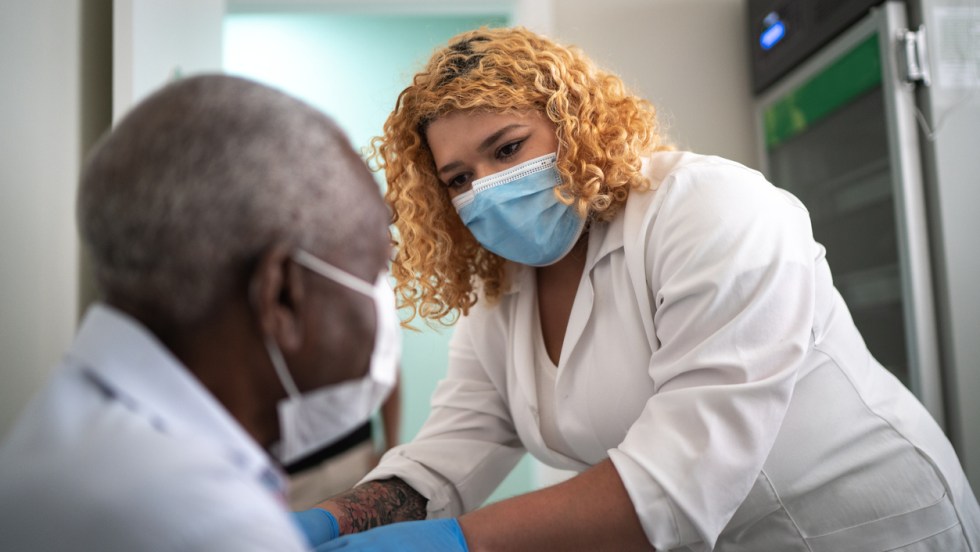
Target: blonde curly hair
[603, 133]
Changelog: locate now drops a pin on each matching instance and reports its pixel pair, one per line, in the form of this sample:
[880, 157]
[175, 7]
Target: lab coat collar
[607, 237]
[132, 364]
[604, 238]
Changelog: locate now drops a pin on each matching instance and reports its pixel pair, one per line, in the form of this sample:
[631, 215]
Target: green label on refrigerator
[854, 73]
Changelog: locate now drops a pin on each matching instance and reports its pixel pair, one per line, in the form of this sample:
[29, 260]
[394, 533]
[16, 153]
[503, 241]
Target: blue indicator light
[772, 35]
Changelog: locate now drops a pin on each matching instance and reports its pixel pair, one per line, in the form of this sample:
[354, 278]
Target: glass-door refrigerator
[853, 101]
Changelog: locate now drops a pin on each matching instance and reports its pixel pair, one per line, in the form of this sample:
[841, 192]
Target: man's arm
[375, 503]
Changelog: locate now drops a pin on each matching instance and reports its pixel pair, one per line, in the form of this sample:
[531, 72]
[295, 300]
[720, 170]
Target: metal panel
[951, 146]
[913, 235]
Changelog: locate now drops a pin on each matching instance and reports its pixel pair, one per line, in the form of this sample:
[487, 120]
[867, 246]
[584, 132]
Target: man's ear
[277, 295]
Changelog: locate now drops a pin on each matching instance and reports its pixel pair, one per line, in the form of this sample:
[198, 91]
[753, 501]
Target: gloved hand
[434, 535]
[318, 525]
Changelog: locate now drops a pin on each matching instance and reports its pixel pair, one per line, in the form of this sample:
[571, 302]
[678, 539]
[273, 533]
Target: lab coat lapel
[522, 360]
[579, 317]
[603, 239]
[523, 367]
[635, 249]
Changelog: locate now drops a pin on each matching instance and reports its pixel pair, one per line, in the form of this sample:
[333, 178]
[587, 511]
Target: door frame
[537, 15]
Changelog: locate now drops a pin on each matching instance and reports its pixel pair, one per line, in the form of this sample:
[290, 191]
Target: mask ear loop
[331, 272]
[279, 364]
[275, 355]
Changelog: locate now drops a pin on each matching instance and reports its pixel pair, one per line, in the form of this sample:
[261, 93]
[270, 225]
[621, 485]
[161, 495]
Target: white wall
[157, 42]
[40, 152]
[689, 57]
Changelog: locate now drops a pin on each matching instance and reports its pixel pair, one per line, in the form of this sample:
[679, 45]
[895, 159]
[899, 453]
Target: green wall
[352, 67]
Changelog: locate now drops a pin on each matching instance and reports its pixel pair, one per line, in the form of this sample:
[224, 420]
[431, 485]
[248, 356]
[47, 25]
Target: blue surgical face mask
[515, 214]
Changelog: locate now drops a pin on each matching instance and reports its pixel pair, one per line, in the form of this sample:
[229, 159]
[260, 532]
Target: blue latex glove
[434, 535]
[318, 525]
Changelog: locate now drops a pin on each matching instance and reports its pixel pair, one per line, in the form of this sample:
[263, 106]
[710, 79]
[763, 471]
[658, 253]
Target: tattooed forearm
[377, 503]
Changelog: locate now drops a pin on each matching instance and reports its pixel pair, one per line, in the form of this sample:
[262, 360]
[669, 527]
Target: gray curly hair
[181, 198]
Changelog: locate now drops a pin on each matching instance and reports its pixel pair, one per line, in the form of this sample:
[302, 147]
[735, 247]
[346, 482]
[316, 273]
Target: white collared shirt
[125, 450]
[709, 357]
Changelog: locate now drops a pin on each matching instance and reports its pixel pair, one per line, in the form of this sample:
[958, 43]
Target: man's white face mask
[312, 420]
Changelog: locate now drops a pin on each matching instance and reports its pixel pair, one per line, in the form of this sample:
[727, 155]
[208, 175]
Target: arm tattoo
[378, 503]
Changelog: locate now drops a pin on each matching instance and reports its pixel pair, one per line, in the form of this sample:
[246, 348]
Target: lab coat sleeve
[468, 444]
[730, 273]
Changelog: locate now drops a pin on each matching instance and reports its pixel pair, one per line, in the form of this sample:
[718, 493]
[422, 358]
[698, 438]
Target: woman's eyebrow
[496, 135]
[449, 167]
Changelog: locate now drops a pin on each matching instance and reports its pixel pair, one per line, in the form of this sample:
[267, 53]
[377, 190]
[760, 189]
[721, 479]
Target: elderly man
[241, 246]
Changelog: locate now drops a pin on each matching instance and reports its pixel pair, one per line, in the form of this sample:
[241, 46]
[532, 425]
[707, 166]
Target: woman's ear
[277, 294]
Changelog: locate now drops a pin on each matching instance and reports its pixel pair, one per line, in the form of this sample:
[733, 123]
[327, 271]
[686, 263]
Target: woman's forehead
[461, 127]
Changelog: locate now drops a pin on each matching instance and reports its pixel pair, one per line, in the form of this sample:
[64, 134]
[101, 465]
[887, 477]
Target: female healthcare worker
[659, 321]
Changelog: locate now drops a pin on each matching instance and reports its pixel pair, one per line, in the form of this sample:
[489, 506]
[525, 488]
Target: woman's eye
[509, 149]
[458, 181]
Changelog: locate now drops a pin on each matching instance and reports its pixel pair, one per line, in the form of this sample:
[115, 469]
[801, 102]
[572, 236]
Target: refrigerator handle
[914, 60]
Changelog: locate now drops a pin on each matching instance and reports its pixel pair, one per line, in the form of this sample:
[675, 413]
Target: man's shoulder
[103, 473]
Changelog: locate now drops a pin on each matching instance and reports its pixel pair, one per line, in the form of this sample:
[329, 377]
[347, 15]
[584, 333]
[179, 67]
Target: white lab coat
[710, 357]
[125, 451]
